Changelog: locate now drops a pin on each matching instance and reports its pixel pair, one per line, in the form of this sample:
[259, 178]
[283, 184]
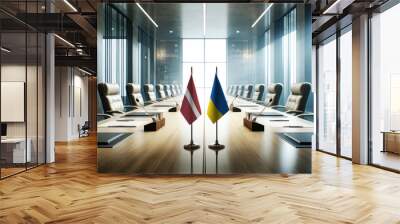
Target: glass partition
[16, 148]
[22, 94]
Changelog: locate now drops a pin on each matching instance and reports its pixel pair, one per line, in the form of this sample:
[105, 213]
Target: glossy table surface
[162, 152]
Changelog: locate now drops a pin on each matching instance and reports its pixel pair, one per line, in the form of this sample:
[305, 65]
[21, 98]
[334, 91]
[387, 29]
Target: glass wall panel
[41, 87]
[268, 59]
[346, 94]
[32, 98]
[327, 96]
[385, 84]
[169, 69]
[22, 93]
[146, 55]
[239, 63]
[115, 44]
[15, 147]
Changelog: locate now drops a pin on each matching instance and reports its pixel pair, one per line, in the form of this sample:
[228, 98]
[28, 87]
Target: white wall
[71, 102]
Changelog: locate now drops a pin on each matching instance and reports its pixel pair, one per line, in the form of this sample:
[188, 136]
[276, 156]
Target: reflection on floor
[71, 191]
[11, 169]
[387, 159]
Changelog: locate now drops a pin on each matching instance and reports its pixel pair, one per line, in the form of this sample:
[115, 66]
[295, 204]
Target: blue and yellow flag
[217, 106]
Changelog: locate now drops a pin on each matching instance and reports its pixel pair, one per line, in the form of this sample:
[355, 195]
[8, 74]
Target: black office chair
[297, 100]
[83, 131]
[111, 99]
[149, 93]
[167, 90]
[134, 95]
[177, 89]
[248, 91]
[160, 92]
[241, 90]
[229, 90]
[173, 91]
[235, 91]
[259, 93]
[178, 92]
[274, 94]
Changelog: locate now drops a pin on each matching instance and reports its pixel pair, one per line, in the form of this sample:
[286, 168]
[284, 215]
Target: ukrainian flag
[217, 106]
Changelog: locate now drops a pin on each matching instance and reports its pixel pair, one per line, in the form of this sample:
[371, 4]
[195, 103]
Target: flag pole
[191, 146]
[216, 132]
[191, 134]
[216, 146]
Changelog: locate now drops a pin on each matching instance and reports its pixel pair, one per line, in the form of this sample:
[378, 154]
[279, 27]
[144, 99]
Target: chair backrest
[241, 90]
[232, 92]
[228, 91]
[248, 91]
[167, 90]
[297, 100]
[178, 92]
[274, 94]
[134, 95]
[259, 92]
[173, 90]
[110, 97]
[160, 91]
[235, 90]
[149, 93]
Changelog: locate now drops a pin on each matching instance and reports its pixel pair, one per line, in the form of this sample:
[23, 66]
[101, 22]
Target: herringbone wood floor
[71, 191]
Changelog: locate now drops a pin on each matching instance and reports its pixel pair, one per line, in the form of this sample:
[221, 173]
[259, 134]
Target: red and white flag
[190, 107]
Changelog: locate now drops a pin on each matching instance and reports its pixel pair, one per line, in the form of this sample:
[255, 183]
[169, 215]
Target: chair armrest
[278, 106]
[129, 108]
[305, 115]
[111, 112]
[104, 116]
[261, 102]
[295, 112]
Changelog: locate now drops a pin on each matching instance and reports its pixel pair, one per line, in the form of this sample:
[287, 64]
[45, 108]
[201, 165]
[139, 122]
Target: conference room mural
[204, 88]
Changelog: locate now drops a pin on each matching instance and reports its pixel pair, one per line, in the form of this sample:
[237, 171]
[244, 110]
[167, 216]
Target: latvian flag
[190, 107]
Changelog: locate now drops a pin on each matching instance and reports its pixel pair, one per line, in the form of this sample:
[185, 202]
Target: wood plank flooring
[71, 191]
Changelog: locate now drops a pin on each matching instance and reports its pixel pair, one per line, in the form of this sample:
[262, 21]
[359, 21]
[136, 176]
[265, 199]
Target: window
[289, 51]
[204, 55]
[267, 53]
[346, 94]
[115, 61]
[327, 96]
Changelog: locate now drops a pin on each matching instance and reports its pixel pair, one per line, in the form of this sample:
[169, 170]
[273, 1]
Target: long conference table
[162, 152]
